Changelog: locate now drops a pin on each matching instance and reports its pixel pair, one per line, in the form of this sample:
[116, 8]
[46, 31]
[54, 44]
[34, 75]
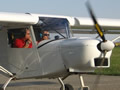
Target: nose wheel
[65, 86]
[69, 87]
[83, 87]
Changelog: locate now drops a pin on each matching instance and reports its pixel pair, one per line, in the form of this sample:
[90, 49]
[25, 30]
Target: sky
[102, 8]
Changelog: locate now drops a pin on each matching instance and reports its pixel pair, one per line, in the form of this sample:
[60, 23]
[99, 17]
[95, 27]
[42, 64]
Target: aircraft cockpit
[58, 28]
[47, 29]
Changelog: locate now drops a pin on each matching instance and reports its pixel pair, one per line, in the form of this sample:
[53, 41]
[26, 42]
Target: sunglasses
[46, 34]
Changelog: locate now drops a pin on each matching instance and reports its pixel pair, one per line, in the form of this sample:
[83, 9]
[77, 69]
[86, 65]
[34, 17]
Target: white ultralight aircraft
[60, 56]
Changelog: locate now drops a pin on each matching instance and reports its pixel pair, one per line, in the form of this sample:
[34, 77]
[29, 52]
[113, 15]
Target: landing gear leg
[65, 86]
[62, 84]
[83, 87]
[5, 85]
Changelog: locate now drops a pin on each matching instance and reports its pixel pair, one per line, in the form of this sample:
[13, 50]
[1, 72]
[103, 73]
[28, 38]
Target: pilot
[44, 36]
[24, 42]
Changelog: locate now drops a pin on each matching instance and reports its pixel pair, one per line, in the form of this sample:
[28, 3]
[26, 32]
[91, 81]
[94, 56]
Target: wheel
[1, 88]
[67, 87]
[84, 88]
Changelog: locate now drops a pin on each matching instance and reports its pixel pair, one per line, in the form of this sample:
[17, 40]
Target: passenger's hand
[30, 39]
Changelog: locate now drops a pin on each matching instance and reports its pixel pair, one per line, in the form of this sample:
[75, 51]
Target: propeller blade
[97, 26]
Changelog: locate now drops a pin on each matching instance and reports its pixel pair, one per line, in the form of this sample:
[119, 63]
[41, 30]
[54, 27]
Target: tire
[84, 88]
[68, 87]
[1, 88]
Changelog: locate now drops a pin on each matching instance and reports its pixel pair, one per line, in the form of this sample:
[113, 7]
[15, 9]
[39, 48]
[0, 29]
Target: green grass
[115, 64]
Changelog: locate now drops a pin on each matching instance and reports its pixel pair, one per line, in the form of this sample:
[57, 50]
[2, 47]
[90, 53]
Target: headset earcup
[40, 35]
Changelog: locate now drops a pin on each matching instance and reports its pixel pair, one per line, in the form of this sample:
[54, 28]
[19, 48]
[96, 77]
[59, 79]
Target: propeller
[105, 45]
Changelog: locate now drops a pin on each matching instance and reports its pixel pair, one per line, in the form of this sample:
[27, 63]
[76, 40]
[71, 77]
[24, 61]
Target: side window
[19, 38]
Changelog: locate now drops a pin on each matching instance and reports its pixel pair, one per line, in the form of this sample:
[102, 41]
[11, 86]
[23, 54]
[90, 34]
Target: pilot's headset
[41, 35]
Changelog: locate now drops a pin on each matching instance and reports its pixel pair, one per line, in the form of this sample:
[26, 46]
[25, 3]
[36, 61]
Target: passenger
[25, 42]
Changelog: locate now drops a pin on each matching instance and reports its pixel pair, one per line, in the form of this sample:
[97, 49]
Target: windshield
[54, 28]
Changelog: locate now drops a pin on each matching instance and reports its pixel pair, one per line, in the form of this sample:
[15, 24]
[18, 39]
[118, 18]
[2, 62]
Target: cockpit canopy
[57, 27]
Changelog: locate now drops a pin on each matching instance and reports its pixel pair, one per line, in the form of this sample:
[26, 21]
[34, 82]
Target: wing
[9, 19]
[87, 23]
[111, 26]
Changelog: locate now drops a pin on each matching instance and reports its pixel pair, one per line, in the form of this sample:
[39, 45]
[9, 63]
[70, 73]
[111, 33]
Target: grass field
[115, 64]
